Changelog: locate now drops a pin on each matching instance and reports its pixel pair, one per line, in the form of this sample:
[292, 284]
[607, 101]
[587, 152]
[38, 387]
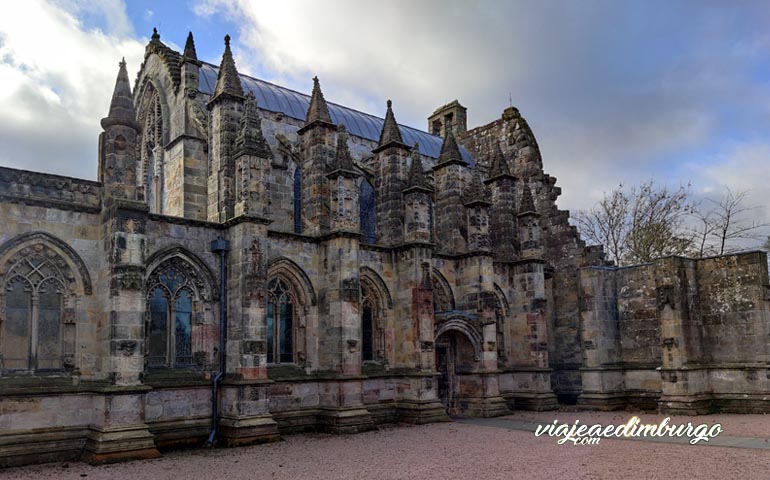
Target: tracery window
[32, 330]
[151, 120]
[171, 296]
[281, 321]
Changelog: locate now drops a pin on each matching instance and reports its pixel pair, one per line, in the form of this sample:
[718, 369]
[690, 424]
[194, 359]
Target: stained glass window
[32, 331]
[49, 326]
[170, 314]
[17, 326]
[183, 333]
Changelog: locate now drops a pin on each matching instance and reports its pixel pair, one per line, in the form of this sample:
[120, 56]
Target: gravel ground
[442, 451]
[734, 425]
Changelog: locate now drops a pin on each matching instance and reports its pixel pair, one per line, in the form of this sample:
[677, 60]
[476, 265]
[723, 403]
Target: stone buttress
[119, 431]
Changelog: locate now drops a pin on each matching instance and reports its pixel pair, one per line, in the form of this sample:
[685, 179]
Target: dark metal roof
[294, 104]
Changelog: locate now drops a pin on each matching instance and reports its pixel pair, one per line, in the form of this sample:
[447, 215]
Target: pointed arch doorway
[457, 359]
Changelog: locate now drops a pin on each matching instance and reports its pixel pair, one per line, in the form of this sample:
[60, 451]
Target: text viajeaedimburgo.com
[584, 434]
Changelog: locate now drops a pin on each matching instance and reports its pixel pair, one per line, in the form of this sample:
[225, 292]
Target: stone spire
[228, 81]
[318, 111]
[476, 191]
[189, 48]
[527, 203]
[342, 158]
[250, 140]
[122, 105]
[499, 165]
[450, 151]
[416, 172]
[390, 132]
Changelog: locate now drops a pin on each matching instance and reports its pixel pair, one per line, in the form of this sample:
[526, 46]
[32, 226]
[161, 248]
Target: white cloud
[57, 76]
[610, 98]
[566, 66]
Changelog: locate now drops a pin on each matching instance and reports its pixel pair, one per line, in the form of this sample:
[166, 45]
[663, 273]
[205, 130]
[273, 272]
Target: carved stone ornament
[127, 347]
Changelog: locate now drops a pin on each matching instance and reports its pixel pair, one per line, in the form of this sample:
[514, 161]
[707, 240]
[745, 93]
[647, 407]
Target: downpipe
[221, 247]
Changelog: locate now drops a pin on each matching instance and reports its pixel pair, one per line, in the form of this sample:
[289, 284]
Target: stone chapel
[254, 261]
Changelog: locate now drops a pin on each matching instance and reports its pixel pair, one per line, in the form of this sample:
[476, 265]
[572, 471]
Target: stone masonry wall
[733, 301]
[565, 252]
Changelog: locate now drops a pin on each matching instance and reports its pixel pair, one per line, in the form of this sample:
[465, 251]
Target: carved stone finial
[390, 131]
[476, 191]
[228, 81]
[342, 159]
[250, 140]
[318, 110]
[416, 172]
[189, 48]
[527, 203]
[122, 105]
[499, 165]
[450, 151]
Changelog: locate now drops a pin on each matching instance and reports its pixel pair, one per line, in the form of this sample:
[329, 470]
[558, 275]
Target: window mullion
[171, 345]
[34, 331]
[277, 332]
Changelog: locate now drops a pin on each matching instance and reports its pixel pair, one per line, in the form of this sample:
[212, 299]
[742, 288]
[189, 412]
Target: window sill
[176, 377]
[286, 371]
[373, 367]
[46, 383]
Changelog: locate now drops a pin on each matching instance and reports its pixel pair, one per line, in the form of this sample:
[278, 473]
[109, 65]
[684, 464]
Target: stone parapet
[45, 189]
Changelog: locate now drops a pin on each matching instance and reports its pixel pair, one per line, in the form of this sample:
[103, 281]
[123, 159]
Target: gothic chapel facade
[253, 261]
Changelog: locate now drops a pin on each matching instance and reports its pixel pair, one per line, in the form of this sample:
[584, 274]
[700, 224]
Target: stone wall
[564, 251]
[677, 334]
[32, 188]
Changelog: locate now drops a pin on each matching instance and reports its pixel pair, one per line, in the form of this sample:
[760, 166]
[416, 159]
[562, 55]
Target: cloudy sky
[616, 91]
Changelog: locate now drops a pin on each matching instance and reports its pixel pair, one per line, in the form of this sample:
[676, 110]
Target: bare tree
[725, 225]
[659, 222]
[607, 224]
[639, 224]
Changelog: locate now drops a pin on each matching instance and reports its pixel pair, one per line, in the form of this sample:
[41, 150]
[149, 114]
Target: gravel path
[443, 451]
[733, 424]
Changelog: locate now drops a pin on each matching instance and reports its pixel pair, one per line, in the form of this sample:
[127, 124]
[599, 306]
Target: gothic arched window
[151, 120]
[368, 212]
[372, 320]
[367, 325]
[171, 293]
[281, 321]
[32, 332]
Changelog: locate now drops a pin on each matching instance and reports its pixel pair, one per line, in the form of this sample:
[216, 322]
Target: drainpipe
[219, 246]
